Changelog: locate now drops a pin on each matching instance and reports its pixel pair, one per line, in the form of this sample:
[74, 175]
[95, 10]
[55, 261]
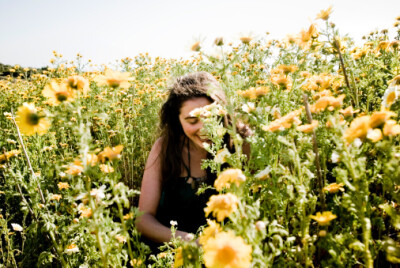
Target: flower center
[61, 96]
[391, 97]
[226, 255]
[113, 82]
[33, 119]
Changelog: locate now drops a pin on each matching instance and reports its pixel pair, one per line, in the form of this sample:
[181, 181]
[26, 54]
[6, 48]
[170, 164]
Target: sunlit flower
[304, 38]
[106, 168]
[221, 156]
[16, 227]
[324, 14]
[391, 128]
[323, 218]
[72, 248]
[30, 122]
[110, 153]
[7, 155]
[246, 39]
[227, 250]
[75, 169]
[284, 82]
[253, 92]
[210, 231]
[196, 47]
[327, 102]
[380, 117]
[56, 197]
[114, 79]
[221, 206]
[358, 128]
[334, 188]
[57, 93]
[178, 262]
[287, 69]
[248, 107]
[85, 211]
[219, 41]
[63, 185]
[390, 96]
[284, 122]
[227, 177]
[348, 111]
[78, 82]
[308, 128]
[374, 135]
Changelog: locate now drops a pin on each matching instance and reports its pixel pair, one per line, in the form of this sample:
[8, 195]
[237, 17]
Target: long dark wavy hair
[190, 86]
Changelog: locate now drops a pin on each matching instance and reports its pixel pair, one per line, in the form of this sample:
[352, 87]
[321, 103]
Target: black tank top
[180, 203]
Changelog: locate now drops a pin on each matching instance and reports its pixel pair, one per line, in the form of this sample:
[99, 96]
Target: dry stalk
[317, 163]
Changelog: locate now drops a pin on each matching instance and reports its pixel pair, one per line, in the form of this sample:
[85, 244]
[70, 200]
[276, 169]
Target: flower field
[320, 188]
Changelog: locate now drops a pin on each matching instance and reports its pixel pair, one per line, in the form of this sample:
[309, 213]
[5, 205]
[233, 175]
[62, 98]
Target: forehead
[189, 105]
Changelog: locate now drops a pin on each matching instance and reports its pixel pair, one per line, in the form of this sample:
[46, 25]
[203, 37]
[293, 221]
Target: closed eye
[192, 120]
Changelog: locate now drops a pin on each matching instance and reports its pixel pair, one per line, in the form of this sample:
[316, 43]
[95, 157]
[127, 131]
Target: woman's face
[192, 125]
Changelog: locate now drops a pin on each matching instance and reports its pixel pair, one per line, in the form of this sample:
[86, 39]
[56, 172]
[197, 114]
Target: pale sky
[106, 31]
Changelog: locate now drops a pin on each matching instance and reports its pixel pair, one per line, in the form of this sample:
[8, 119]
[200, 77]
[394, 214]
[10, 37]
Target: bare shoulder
[154, 155]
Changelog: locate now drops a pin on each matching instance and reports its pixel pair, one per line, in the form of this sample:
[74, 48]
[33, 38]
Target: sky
[107, 31]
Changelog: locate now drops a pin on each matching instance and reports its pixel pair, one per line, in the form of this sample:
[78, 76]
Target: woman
[174, 163]
[173, 169]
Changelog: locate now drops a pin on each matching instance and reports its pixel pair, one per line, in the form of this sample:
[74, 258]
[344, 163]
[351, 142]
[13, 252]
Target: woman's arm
[149, 199]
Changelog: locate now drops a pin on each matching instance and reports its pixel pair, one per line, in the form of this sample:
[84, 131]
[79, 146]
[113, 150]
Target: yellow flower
[106, 168]
[221, 205]
[110, 153]
[178, 258]
[227, 250]
[286, 69]
[30, 122]
[395, 81]
[210, 231]
[358, 128]
[57, 93]
[246, 39]
[391, 128]
[284, 122]
[374, 135]
[282, 81]
[390, 96]
[4, 157]
[324, 218]
[348, 111]
[72, 248]
[85, 212]
[196, 47]
[334, 188]
[56, 197]
[114, 79]
[327, 102]
[75, 169]
[308, 128]
[63, 185]
[380, 117]
[324, 14]
[253, 92]
[78, 82]
[221, 156]
[227, 177]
